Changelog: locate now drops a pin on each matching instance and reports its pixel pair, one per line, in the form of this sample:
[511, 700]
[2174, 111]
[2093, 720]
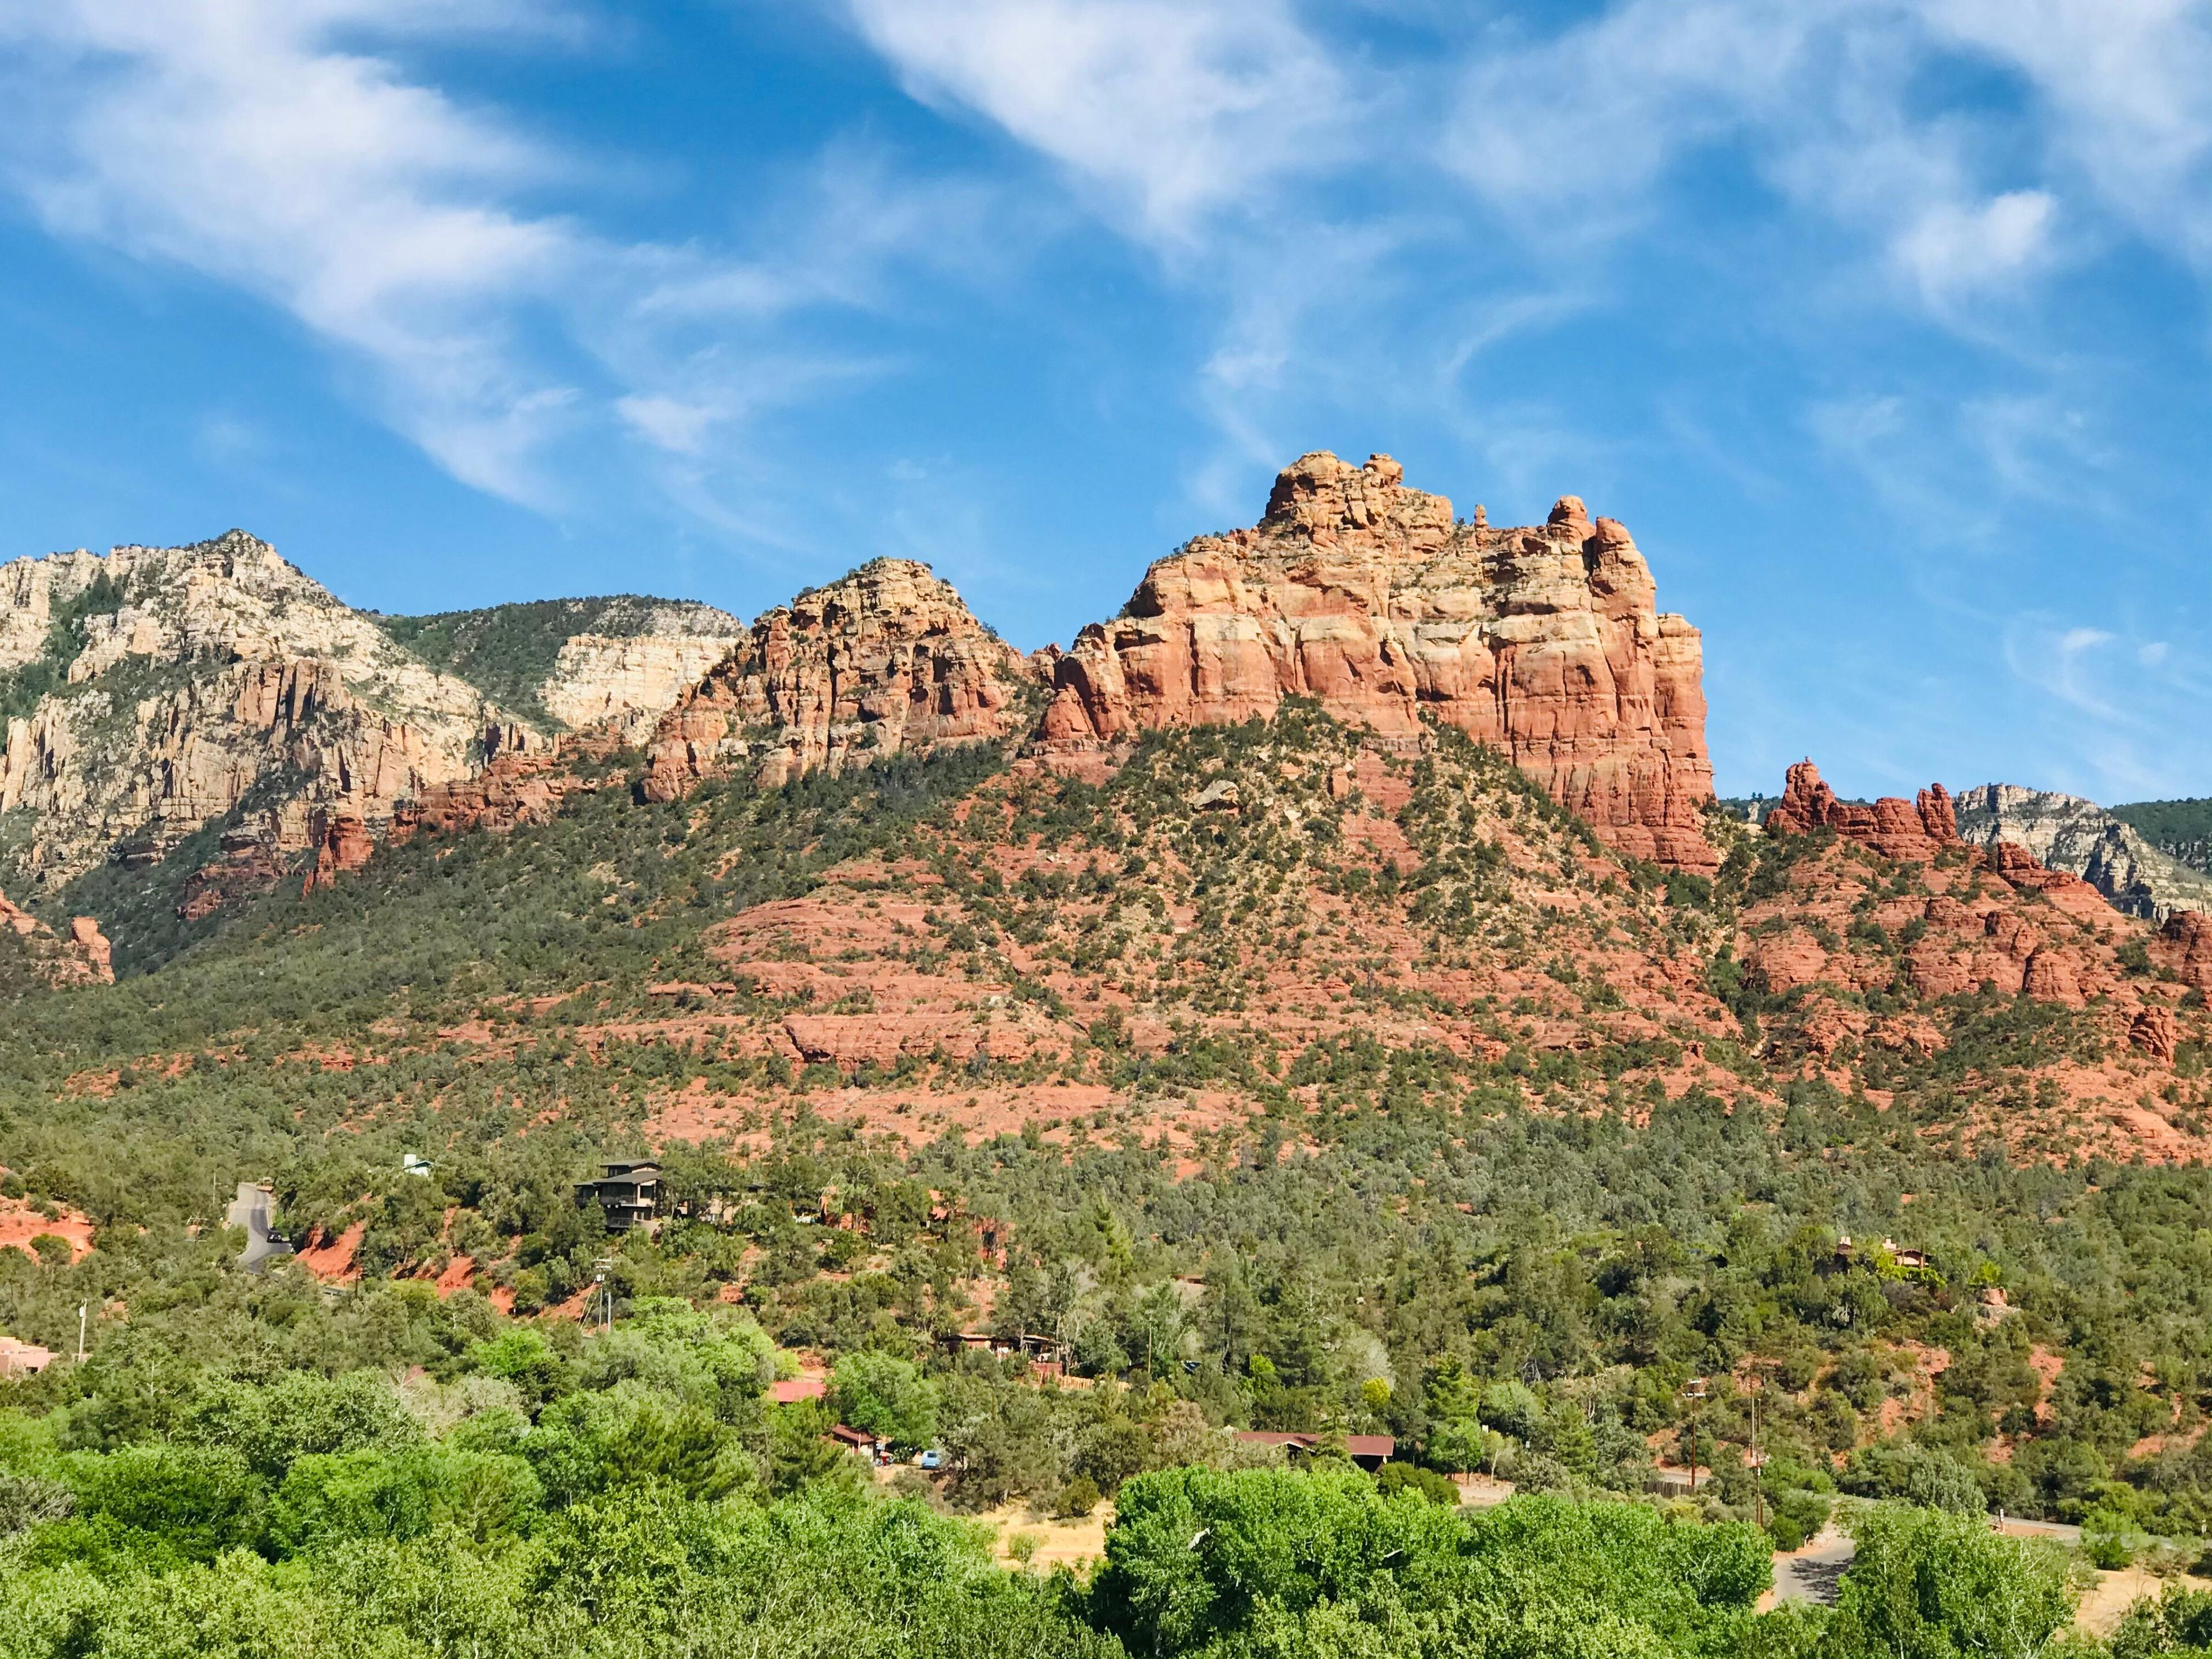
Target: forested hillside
[1277, 1078]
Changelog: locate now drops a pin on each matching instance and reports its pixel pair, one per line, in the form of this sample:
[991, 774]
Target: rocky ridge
[2076, 835]
[177, 685]
[165, 690]
[1889, 952]
[1544, 642]
[887, 659]
[2023, 933]
[151, 692]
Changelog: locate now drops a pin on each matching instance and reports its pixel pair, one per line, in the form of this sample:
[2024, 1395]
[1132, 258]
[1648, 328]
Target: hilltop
[1276, 1007]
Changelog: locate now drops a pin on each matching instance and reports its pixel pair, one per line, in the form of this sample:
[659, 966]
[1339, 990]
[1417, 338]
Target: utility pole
[1693, 1391]
[83, 1312]
[1757, 1461]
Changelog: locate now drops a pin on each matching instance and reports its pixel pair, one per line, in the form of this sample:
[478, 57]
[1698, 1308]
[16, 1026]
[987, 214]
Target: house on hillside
[628, 1194]
[1369, 1451]
[23, 1358]
[874, 1448]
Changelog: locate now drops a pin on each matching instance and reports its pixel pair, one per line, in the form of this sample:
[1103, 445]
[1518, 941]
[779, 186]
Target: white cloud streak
[231, 138]
[264, 144]
[1174, 110]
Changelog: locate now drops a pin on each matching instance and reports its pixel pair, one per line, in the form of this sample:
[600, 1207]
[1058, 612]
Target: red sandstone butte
[886, 658]
[1544, 643]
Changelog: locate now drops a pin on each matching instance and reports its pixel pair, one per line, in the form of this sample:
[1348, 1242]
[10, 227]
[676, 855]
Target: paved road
[1812, 1574]
[250, 1210]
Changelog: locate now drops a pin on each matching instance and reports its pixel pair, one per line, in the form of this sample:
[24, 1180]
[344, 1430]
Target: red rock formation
[1918, 830]
[93, 946]
[2182, 947]
[2154, 1031]
[1893, 826]
[251, 864]
[885, 659]
[342, 843]
[85, 958]
[1544, 643]
[514, 790]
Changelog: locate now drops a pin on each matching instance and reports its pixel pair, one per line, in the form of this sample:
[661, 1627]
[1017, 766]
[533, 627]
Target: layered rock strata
[1543, 641]
[625, 684]
[182, 684]
[886, 660]
[2067, 833]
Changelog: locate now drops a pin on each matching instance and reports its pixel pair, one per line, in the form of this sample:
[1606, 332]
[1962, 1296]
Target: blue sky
[1882, 324]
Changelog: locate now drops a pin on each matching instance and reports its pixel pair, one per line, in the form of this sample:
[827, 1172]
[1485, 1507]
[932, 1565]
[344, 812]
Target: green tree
[1930, 1584]
[882, 1394]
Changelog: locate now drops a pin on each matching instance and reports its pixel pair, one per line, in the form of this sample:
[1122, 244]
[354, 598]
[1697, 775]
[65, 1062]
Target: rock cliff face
[148, 692]
[627, 682]
[2067, 833]
[884, 660]
[158, 688]
[620, 660]
[1543, 641]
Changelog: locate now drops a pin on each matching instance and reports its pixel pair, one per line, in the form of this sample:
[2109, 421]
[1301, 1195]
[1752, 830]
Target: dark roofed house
[628, 1194]
[1369, 1451]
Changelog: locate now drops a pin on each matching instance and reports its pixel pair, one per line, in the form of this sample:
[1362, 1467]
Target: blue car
[930, 1460]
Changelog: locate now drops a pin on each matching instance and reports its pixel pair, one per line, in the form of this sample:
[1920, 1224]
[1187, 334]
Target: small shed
[872, 1447]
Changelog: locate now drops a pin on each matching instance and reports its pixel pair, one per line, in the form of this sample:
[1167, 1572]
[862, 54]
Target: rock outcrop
[2067, 833]
[626, 683]
[83, 957]
[885, 659]
[2033, 931]
[1916, 830]
[163, 689]
[2183, 948]
[1544, 643]
[182, 684]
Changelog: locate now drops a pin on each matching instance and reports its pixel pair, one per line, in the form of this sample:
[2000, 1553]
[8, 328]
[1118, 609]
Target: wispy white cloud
[1953, 249]
[234, 137]
[2123, 96]
[1576, 137]
[1171, 110]
[277, 147]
